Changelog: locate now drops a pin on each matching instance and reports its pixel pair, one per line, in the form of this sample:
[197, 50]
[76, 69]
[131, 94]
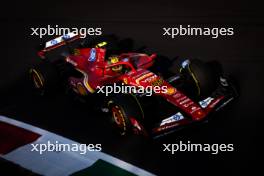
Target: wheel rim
[118, 117]
[37, 79]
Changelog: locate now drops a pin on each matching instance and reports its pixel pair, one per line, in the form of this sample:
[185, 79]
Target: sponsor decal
[194, 109]
[174, 118]
[204, 103]
[150, 79]
[53, 42]
[188, 104]
[92, 57]
[181, 99]
[185, 63]
[185, 101]
[66, 36]
[60, 39]
[157, 82]
[171, 91]
[177, 95]
[166, 126]
[143, 77]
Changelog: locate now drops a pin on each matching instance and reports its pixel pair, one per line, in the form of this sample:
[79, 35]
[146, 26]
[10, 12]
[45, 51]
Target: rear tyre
[44, 78]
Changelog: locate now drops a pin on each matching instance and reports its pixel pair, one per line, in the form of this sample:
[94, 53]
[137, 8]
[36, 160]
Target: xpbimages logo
[128, 89]
[188, 30]
[190, 147]
[58, 31]
[61, 147]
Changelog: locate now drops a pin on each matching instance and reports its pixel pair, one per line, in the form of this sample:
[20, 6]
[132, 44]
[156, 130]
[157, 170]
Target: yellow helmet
[113, 60]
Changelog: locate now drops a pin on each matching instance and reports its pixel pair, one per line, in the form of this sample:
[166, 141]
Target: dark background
[241, 55]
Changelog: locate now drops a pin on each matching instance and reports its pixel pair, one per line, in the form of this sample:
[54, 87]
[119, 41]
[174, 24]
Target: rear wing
[57, 42]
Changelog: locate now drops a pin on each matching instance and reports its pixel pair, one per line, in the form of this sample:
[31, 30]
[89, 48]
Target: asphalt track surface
[241, 55]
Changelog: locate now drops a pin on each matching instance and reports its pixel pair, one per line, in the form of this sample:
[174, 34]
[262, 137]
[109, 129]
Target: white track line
[59, 163]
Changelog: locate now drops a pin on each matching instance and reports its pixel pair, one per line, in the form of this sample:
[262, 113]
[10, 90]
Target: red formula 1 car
[193, 89]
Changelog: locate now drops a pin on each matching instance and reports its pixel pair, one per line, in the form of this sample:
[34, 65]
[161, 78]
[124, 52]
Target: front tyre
[201, 78]
[126, 114]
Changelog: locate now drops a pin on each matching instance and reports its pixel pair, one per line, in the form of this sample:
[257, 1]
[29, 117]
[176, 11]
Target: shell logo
[171, 91]
[125, 80]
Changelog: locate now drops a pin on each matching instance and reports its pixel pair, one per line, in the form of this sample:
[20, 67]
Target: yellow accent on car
[81, 90]
[195, 80]
[85, 81]
[99, 45]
